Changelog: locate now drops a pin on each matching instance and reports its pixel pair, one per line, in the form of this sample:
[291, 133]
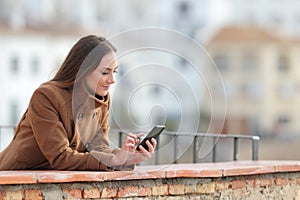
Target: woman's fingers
[151, 148]
[135, 137]
[154, 143]
[131, 141]
[144, 152]
[128, 143]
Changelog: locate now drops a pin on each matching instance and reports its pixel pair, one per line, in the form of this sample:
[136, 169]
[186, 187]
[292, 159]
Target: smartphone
[154, 133]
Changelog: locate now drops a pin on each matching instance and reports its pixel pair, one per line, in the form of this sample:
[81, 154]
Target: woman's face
[102, 77]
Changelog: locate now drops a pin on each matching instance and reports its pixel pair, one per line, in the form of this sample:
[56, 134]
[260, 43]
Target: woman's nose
[111, 79]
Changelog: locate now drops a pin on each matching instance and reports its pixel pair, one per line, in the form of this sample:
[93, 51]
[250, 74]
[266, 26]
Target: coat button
[80, 115]
[94, 115]
[73, 145]
[87, 145]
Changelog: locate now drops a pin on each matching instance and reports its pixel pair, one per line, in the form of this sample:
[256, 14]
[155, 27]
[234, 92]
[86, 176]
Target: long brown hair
[82, 59]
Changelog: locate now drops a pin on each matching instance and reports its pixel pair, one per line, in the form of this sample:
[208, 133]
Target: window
[297, 20]
[276, 20]
[283, 63]
[156, 90]
[183, 63]
[282, 124]
[15, 65]
[283, 119]
[14, 113]
[286, 90]
[222, 62]
[250, 62]
[252, 90]
[34, 65]
[230, 89]
[183, 8]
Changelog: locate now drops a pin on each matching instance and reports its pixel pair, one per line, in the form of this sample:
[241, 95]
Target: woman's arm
[45, 116]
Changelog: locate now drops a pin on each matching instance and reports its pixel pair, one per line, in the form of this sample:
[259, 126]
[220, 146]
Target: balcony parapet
[244, 178]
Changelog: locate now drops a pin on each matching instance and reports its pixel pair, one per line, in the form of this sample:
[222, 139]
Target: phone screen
[154, 133]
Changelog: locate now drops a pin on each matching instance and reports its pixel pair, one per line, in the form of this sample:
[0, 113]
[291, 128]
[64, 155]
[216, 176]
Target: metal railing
[234, 137]
[6, 130]
[174, 136]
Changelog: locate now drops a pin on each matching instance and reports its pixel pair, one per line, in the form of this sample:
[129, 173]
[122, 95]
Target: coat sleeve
[52, 137]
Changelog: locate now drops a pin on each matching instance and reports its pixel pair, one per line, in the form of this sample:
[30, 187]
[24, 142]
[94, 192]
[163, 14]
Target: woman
[65, 126]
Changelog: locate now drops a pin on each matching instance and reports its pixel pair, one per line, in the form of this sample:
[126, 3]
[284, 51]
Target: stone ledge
[199, 170]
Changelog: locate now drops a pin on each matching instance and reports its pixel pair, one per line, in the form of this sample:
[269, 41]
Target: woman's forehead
[108, 61]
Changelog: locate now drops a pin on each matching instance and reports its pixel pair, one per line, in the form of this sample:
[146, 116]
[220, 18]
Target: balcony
[248, 179]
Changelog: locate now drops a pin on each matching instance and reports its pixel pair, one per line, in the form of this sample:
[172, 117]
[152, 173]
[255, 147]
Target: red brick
[237, 184]
[265, 182]
[73, 192]
[251, 183]
[128, 191]
[221, 185]
[91, 193]
[298, 181]
[134, 191]
[160, 190]
[16, 195]
[33, 195]
[145, 191]
[109, 192]
[176, 189]
[190, 189]
[206, 188]
[281, 181]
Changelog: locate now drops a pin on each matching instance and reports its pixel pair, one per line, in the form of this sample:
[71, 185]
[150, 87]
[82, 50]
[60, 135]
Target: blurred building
[280, 16]
[260, 71]
[35, 37]
[28, 58]
[37, 34]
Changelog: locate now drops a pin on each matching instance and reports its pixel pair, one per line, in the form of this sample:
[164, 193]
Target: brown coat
[47, 137]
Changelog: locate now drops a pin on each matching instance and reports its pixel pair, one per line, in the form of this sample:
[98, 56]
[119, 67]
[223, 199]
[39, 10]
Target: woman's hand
[151, 147]
[142, 154]
[131, 141]
[129, 155]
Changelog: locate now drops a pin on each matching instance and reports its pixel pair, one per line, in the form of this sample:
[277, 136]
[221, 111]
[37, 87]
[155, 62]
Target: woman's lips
[105, 87]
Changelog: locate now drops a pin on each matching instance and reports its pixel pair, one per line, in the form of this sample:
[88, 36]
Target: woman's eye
[106, 73]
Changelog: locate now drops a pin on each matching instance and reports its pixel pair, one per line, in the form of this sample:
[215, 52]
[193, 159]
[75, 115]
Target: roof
[244, 34]
[5, 29]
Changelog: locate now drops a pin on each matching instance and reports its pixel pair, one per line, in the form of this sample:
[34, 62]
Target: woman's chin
[101, 93]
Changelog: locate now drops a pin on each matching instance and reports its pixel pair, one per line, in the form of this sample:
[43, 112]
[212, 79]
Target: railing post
[157, 152]
[214, 149]
[120, 138]
[235, 148]
[195, 149]
[255, 148]
[175, 149]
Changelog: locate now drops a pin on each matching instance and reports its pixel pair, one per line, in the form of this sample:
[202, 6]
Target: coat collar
[83, 98]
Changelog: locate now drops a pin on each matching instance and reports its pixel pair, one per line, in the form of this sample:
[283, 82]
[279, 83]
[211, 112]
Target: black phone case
[154, 133]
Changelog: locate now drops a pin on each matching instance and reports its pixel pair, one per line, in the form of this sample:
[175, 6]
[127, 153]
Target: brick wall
[185, 181]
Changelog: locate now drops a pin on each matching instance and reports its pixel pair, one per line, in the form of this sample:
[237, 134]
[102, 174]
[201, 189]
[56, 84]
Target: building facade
[260, 72]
